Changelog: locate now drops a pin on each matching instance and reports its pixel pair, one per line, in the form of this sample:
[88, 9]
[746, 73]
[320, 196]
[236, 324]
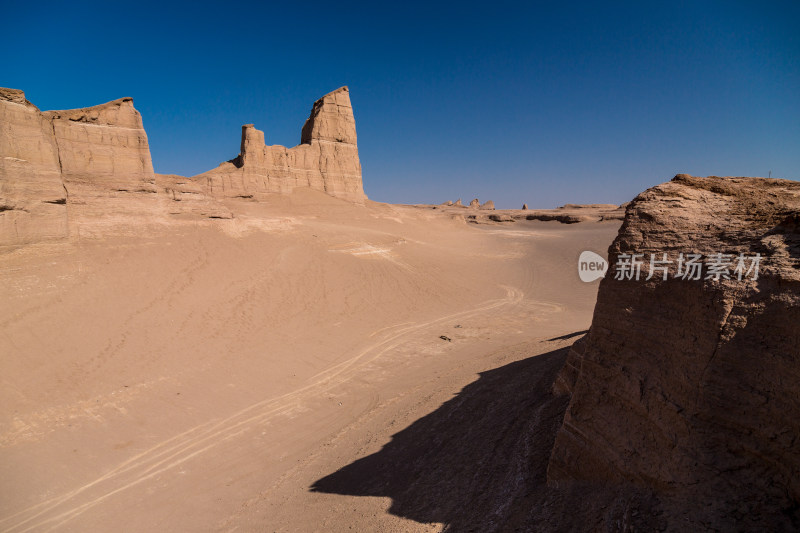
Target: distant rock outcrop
[525, 207]
[326, 158]
[475, 203]
[488, 204]
[689, 389]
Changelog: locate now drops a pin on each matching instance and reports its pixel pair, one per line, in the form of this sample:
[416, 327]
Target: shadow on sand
[476, 460]
[479, 462]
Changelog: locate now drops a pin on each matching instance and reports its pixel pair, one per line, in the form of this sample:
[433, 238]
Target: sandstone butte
[687, 391]
[62, 172]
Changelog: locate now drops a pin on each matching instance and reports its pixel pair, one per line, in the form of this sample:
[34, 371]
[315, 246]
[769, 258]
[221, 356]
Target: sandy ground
[205, 376]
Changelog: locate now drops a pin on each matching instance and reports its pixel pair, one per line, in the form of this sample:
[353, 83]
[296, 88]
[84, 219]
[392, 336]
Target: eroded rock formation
[32, 195]
[59, 167]
[326, 158]
[689, 388]
[82, 170]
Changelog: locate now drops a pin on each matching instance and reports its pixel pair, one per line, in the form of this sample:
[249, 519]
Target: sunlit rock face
[690, 388]
[88, 171]
[326, 158]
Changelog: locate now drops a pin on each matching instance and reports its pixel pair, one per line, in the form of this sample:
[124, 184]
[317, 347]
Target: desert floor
[215, 376]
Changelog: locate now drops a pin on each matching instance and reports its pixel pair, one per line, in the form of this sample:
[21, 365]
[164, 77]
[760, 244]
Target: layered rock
[326, 159]
[104, 145]
[32, 195]
[85, 162]
[689, 388]
[83, 171]
[105, 163]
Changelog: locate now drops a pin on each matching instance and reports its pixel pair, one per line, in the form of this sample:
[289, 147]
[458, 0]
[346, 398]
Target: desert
[213, 362]
[494, 281]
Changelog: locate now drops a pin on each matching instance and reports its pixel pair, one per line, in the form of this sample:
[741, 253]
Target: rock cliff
[326, 158]
[689, 387]
[60, 168]
[66, 173]
[32, 194]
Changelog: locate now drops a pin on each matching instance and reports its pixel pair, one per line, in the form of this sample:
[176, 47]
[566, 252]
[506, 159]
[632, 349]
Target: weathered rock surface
[84, 171]
[184, 196]
[103, 145]
[326, 159]
[689, 389]
[32, 195]
[488, 204]
[475, 203]
[105, 159]
[61, 167]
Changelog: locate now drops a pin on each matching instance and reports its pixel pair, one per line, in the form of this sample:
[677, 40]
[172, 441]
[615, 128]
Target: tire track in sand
[168, 454]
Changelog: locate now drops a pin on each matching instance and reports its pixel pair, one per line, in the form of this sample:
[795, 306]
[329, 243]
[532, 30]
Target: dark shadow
[568, 336]
[479, 462]
[473, 456]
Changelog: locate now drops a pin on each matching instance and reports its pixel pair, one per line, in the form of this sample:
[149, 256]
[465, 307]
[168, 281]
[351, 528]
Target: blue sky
[544, 103]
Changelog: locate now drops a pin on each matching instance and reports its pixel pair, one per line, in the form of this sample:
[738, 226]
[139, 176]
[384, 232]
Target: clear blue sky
[544, 103]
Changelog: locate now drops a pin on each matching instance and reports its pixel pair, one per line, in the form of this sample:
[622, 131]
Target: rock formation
[326, 159]
[458, 202]
[60, 168]
[90, 168]
[525, 207]
[475, 203]
[487, 214]
[32, 195]
[685, 388]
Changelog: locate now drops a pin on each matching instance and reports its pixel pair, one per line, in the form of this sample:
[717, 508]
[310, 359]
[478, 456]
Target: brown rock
[105, 161]
[525, 206]
[32, 195]
[458, 202]
[689, 388]
[326, 159]
[488, 205]
[475, 203]
[188, 197]
[63, 171]
[105, 145]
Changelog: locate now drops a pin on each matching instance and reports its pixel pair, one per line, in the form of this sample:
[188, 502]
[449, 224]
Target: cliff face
[32, 195]
[326, 159]
[103, 144]
[689, 388]
[60, 168]
[81, 171]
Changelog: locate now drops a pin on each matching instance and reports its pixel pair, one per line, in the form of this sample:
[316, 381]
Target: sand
[204, 376]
